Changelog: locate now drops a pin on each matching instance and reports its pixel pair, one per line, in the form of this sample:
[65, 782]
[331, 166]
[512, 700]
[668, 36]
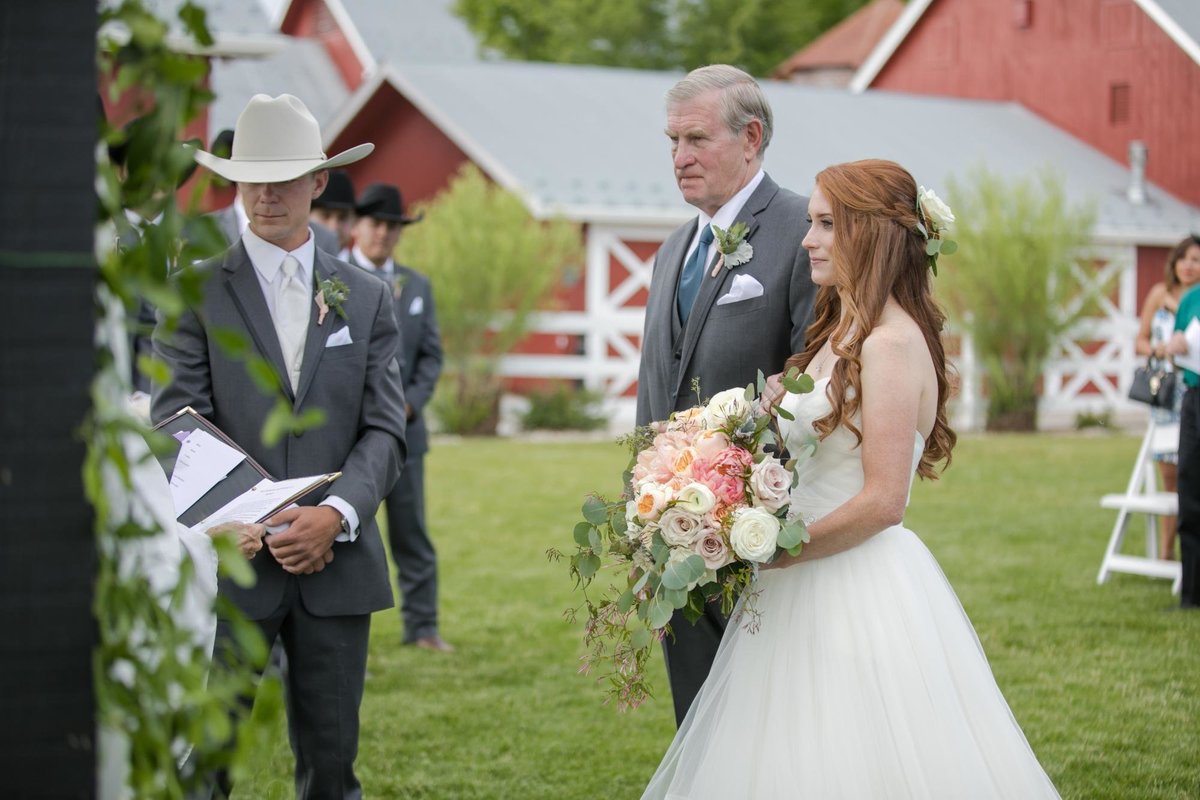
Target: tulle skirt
[864, 680]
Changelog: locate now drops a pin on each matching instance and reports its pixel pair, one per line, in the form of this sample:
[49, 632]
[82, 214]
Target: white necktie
[291, 317]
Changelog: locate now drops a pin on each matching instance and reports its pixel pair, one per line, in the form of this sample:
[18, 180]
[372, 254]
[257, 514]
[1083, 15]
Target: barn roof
[588, 143]
[239, 28]
[301, 67]
[846, 44]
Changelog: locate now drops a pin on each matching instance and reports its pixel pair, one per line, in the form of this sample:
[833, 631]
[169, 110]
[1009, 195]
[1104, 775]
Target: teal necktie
[693, 275]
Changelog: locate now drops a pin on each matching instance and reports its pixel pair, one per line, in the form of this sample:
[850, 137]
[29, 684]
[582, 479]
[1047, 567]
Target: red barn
[586, 143]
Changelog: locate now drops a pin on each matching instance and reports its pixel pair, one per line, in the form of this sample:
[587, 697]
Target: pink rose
[771, 484]
[712, 548]
[733, 461]
[728, 489]
[710, 443]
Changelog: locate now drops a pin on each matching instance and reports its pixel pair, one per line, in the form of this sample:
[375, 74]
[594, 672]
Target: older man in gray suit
[323, 571]
[713, 319]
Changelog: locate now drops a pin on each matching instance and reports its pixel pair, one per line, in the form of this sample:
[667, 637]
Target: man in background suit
[381, 218]
[723, 324]
[334, 210]
[323, 571]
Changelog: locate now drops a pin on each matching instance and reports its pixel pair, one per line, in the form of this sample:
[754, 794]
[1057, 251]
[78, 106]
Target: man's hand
[306, 546]
[773, 392]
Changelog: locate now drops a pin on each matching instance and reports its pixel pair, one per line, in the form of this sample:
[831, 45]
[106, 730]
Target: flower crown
[934, 221]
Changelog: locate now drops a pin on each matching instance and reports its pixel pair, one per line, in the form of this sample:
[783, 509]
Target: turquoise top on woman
[1189, 309]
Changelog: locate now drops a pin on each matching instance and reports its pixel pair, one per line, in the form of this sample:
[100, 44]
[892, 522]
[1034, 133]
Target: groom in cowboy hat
[323, 569]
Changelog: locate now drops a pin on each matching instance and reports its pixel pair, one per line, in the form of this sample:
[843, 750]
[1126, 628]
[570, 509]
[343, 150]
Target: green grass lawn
[1101, 678]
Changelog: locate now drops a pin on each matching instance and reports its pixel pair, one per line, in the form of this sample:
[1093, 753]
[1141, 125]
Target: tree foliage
[756, 35]
[1014, 284]
[492, 266]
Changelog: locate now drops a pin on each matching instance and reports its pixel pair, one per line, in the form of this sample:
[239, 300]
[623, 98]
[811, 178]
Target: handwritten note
[203, 461]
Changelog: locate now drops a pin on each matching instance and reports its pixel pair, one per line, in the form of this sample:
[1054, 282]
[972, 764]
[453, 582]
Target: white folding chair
[1142, 496]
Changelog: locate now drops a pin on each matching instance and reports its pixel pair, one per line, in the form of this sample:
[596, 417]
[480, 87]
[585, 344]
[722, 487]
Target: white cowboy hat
[276, 139]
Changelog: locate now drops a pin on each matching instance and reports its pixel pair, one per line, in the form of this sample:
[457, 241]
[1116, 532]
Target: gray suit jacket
[725, 345]
[420, 347]
[357, 385]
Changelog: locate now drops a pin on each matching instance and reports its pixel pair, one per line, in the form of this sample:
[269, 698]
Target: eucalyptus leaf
[589, 565]
[681, 574]
[625, 601]
[658, 613]
[949, 247]
[640, 638]
[594, 540]
[595, 510]
[582, 529]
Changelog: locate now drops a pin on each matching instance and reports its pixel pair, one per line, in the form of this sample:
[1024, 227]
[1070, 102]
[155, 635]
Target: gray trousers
[412, 550]
[690, 654]
[323, 682]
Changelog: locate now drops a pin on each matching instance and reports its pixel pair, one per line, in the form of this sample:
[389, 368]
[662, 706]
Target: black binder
[246, 475]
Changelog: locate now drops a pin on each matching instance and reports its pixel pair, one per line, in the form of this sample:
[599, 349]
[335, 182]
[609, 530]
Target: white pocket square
[744, 287]
[417, 306]
[339, 338]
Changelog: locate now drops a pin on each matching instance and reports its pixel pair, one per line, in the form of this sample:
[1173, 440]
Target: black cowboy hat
[383, 201]
[338, 194]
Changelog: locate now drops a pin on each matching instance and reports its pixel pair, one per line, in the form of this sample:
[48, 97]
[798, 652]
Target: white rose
[696, 498]
[936, 210]
[771, 484]
[754, 534]
[727, 406]
[680, 528]
[651, 499]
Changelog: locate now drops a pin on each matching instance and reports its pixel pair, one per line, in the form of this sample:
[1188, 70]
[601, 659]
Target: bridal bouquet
[706, 501]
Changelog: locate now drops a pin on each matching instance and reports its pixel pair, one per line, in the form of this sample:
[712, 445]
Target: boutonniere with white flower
[935, 219]
[735, 250]
[331, 293]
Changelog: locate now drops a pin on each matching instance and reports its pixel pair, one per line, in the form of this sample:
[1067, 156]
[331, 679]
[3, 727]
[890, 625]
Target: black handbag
[1153, 384]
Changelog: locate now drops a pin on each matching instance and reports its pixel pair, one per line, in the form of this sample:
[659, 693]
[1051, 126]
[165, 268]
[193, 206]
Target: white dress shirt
[267, 259]
[726, 215]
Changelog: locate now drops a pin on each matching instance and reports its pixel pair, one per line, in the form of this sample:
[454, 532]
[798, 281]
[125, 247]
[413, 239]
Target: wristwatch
[345, 525]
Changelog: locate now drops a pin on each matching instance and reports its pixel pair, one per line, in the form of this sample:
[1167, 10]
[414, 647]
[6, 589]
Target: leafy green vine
[167, 721]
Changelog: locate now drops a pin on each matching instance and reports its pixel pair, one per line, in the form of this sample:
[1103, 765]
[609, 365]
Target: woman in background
[1157, 323]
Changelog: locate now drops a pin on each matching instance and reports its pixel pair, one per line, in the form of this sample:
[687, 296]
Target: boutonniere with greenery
[331, 293]
[735, 250]
[935, 219]
[398, 281]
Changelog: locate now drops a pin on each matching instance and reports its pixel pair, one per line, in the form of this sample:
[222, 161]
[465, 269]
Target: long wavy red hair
[877, 253]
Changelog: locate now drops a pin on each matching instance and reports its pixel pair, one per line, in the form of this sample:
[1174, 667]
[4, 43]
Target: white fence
[1089, 372]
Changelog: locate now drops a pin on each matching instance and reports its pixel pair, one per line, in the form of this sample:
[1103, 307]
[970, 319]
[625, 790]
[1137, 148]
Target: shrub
[564, 408]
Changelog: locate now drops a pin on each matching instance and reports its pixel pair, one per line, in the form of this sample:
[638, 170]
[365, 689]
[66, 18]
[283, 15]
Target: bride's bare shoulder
[895, 341]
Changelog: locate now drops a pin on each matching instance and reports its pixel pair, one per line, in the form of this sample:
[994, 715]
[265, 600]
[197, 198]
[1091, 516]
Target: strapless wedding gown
[864, 680]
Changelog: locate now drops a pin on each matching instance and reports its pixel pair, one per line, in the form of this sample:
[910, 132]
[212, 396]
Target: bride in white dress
[865, 679]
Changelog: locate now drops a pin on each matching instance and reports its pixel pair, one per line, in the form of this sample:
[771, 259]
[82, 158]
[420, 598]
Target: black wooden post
[47, 275]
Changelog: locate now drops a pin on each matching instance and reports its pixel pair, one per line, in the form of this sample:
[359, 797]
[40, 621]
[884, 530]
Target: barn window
[1118, 103]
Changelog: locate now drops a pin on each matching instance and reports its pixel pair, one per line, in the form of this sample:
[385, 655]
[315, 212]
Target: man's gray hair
[741, 98]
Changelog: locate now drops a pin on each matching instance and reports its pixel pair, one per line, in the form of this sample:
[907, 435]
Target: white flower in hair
[936, 211]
